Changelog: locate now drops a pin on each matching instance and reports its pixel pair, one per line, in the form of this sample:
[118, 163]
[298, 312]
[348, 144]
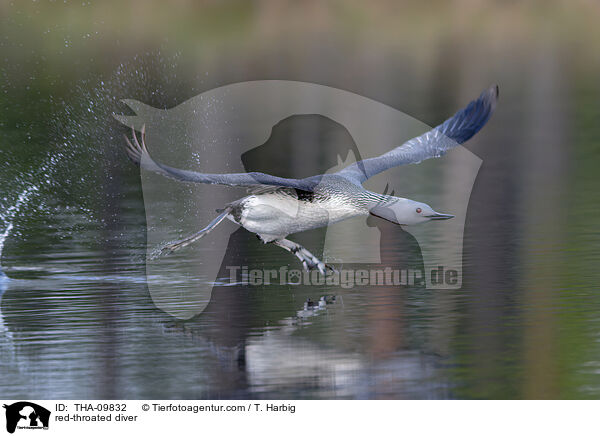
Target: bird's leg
[169, 248]
[309, 261]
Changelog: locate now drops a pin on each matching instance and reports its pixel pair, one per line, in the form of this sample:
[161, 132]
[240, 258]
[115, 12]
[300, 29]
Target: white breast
[276, 215]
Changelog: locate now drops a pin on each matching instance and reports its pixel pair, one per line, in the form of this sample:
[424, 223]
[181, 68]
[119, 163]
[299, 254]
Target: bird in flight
[277, 207]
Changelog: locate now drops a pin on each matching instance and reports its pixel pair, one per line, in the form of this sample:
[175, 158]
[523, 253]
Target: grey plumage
[435, 143]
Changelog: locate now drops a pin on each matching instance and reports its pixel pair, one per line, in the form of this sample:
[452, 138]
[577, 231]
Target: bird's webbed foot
[309, 260]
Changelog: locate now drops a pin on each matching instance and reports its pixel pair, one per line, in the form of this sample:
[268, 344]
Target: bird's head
[405, 212]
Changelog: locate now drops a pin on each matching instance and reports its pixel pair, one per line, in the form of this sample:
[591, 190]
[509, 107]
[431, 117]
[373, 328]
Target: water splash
[8, 216]
[79, 127]
[6, 338]
[34, 181]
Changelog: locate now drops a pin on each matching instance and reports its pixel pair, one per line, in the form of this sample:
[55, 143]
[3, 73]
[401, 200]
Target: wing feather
[139, 154]
[435, 143]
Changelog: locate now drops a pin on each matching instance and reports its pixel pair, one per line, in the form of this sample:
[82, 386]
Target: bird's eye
[419, 210]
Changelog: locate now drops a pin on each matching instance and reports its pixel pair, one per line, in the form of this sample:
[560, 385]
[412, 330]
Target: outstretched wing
[435, 143]
[138, 153]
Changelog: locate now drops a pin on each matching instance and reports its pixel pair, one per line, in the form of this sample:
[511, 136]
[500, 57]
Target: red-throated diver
[278, 207]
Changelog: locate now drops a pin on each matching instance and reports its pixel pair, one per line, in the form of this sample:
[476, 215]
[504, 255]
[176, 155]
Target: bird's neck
[375, 199]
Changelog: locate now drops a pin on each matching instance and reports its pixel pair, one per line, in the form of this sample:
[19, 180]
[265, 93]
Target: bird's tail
[136, 150]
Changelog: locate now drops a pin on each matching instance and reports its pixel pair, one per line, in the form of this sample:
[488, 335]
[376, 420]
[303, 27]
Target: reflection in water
[296, 357]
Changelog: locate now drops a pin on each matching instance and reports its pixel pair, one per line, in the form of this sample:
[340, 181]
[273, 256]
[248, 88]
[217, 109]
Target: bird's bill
[440, 216]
